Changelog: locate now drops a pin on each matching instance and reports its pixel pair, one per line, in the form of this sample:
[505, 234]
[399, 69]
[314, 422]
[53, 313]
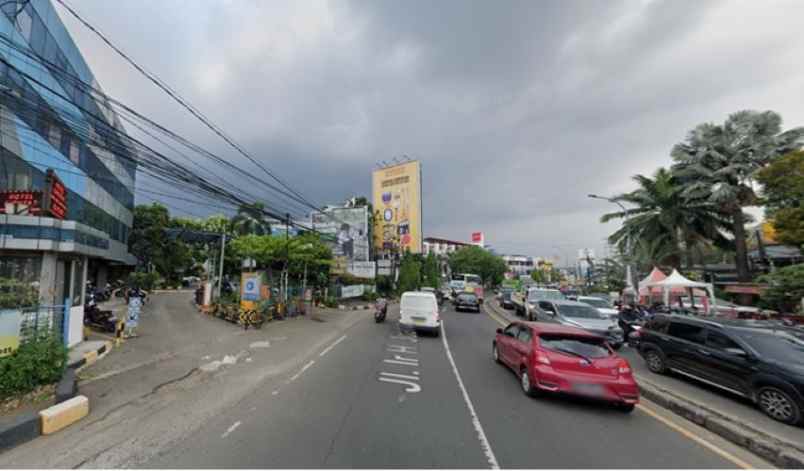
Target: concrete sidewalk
[729, 416]
[184, 368]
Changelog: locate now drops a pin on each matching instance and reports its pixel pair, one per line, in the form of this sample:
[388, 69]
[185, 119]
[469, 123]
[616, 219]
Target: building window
[19, 277]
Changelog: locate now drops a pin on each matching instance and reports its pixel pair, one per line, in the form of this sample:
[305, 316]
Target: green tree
[431, 271]
[718, 163]
[783, 195]
[250, 219]
[410, 268]
[170, 258]
[478, 261]
[665, 218]
[785, 288]
[539, 276]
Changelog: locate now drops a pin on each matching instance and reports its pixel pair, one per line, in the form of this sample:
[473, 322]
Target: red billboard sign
[22, 202]
[55, 196]
[477, 237]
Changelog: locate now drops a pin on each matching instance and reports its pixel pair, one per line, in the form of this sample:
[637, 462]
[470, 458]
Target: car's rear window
[418, 302]
[467, 297]
[589, 347]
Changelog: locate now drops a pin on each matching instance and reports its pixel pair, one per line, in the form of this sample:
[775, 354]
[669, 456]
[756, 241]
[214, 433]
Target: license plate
[588, 389]
[418, 320]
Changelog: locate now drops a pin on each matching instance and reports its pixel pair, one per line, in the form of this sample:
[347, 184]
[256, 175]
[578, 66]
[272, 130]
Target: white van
[419, 310]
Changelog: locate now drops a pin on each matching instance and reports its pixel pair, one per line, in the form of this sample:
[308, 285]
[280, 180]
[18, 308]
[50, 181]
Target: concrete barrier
[57, 417]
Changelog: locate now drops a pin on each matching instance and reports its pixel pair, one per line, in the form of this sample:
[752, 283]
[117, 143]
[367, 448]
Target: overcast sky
[517, 110]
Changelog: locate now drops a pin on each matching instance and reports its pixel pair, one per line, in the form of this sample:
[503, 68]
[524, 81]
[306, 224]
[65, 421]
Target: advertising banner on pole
[347, 229]
[362, 269]
[397, 199]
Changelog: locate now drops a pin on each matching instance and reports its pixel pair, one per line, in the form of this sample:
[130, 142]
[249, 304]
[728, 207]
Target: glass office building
[66, 201]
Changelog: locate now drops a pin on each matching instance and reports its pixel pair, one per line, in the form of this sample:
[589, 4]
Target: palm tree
[717, 163]
[665, 221]
[250, 219]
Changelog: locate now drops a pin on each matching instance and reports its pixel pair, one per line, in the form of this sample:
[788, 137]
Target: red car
[558, 358]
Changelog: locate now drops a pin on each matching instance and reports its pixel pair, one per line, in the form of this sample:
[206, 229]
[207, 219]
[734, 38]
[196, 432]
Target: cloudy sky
[517, 110]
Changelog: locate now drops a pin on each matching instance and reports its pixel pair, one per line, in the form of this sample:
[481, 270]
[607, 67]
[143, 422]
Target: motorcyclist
[628, 318]
[380, 309]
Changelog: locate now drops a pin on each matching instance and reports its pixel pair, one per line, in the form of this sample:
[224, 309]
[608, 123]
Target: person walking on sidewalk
[134, 298]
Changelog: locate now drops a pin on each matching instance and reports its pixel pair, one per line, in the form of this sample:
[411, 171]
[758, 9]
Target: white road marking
[230, 429]
[326, 350]
[398, 362]
[296, 376]
[397, 375]
[402, 349]
[411, 386]
[274, 393]
[481, 435]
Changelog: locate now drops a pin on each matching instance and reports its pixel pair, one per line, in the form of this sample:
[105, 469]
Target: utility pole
[220, 271]
[287, 256]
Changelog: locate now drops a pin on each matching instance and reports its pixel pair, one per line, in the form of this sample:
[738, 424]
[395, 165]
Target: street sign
[251, 287]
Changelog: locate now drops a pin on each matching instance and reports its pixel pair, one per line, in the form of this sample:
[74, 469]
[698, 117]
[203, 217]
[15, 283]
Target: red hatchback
[558, 358]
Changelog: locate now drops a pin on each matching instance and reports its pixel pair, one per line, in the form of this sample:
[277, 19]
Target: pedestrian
[134, 300]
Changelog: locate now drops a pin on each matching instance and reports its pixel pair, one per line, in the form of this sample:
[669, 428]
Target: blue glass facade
[41, 130]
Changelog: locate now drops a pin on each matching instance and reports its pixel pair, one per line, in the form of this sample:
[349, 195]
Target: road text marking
[481, 435]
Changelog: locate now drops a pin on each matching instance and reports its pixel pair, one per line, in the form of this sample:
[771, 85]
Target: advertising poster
[250, 290]
[10, 320]
[348, 228]
[398, 208]
[362, 269]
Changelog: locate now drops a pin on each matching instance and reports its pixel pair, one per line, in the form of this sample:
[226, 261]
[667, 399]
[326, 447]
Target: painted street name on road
[403, 352]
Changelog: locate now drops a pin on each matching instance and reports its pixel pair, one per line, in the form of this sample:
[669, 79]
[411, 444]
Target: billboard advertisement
[397, 199]
[348, 230]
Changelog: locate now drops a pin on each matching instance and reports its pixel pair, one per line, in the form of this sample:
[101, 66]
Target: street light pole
[629, 281]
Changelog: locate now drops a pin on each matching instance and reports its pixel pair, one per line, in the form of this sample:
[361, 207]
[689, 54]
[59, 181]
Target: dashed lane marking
[302, 370]
[326, 350]
[481, 435]
[230, 429]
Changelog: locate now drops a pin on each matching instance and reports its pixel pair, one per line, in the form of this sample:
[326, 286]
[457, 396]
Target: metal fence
[41, 320]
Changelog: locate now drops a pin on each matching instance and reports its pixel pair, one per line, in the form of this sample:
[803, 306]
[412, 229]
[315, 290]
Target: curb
[785, 454]
[782, 453]
[91, 357]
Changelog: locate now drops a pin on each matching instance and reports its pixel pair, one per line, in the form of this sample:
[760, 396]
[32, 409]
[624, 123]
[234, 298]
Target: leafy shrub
[146, 281]
[15, 294]
[38, 361]
[370, 296]
[331, 302]
[785, 288]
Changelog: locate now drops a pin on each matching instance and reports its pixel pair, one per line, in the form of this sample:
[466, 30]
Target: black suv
[762, 361]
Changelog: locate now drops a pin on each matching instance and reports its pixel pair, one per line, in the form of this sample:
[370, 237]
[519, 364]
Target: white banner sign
[362, 269]
[352, 291]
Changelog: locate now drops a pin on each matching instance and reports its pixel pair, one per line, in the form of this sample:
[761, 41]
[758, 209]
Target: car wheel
[778, 405]
[526, 383]
[495, 353]
[655, 362]
[627, 408]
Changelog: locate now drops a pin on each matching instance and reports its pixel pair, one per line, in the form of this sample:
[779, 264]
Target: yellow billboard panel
[397, 194]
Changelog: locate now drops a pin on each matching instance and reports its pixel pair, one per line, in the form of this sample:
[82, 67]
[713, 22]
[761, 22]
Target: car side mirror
[499, 331]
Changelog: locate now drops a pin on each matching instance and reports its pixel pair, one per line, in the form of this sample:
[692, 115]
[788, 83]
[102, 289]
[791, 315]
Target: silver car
[577, 314]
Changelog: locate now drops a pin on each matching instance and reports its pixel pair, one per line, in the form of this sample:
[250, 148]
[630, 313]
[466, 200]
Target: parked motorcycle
[380, 310]
[95, 317]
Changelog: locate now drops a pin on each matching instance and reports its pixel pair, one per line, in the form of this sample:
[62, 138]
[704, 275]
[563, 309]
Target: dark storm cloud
[516, 109]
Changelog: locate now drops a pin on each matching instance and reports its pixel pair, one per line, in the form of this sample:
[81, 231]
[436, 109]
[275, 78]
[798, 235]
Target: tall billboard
[397, 194]
[348, 231]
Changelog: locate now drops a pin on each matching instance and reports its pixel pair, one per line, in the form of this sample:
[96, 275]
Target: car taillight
[435, 313]
[624, 368]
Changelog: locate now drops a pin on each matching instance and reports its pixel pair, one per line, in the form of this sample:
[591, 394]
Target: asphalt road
[376, 398]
